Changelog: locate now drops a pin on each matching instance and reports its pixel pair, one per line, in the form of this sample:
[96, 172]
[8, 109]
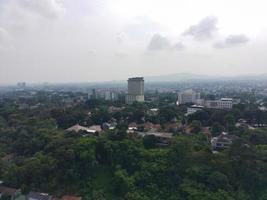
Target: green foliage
[149, 141]
[216, 129]
[116, 166]
[5, 197]
[196, 126]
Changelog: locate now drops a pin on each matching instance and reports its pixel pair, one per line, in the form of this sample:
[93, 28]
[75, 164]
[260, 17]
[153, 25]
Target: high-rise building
[21, 84]
[135, 90]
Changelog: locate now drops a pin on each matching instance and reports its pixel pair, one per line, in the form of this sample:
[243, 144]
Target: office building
[188, 96]
[223, 103]
[135, 90]
[104, 94]
[21, 85]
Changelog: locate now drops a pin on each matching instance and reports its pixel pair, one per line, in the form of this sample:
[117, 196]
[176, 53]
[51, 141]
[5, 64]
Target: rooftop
[71, 198]
[136, 79]
[39, 196]
[226, 99]
[7, 190]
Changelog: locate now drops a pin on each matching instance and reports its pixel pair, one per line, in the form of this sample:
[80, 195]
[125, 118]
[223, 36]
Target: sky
[103, 40]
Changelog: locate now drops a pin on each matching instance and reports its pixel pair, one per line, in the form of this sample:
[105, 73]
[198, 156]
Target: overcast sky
[96, 40]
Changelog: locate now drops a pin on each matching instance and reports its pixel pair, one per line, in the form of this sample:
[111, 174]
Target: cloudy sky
[96, 40]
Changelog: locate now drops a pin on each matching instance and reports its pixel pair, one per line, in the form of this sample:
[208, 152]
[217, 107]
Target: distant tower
[21, 84]
[135, 90]
[92, 95]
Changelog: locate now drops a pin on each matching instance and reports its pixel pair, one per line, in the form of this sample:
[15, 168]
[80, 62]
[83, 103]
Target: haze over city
[84, 40]
[133, 100]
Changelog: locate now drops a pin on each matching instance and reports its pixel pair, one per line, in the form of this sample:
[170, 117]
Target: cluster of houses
[92, 130]
[224, 140]
[8, 193]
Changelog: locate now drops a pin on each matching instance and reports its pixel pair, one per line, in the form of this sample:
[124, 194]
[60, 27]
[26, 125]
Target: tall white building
[188, 96]
[135, 90]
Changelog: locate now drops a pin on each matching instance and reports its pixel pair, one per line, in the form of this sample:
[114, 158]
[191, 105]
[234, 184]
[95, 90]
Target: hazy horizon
[108, 40]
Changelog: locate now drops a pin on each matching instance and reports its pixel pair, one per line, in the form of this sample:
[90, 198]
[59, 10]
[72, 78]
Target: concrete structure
[95, 129]
[104, 94]
[162, 138]
[135, 90]
[38, 196]
[21, 84]
[222, 141]
[193, 109]
[188, 96]
[223, 103]
[67, 197]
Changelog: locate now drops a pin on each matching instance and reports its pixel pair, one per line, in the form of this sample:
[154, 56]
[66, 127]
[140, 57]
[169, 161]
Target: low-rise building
[188, 96]
[222, 141]
[67, 197]
[223, 103]
[163, 138]
[38, 196]
[108, 126]
[95, 129]
[132, 126]
[193, 109]
[11, 193]
[7, 159]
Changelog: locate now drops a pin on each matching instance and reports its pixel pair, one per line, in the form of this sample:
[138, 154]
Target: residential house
[66, 197]
[7, 159]
[222, 141]
[132, 126]
[163, 138]
[148, 126]
[38, 196]
[12, 193]
[108, 126]
[95, 129]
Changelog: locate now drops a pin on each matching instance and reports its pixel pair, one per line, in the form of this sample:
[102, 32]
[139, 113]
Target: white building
[135, 90]
[105, 94]
[223, 103]
[188, 96]
[193, 109]
[222, 141]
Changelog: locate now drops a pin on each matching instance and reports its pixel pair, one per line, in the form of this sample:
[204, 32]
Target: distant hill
[196, 77]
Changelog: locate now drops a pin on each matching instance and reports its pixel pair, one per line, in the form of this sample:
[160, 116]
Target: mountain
[196, 77]
[178, 77]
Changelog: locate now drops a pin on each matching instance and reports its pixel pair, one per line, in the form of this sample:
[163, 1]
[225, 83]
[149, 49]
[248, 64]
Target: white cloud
[141, 27]
[178, 46]
[158, 42]
[204, 29]
[46, 8]
[121, 37]
[232, 40]
[5, 38]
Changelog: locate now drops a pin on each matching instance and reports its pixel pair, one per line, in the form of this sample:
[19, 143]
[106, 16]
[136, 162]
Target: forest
[115, 165]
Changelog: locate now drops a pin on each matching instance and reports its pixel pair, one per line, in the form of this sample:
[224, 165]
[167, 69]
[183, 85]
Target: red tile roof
[66, 197]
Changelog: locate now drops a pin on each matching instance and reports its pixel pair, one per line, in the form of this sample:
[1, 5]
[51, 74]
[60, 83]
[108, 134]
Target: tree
[229, 121]
[216, 129]
[217, 180]
[149, 141]
[122, 182]
[196, 126]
